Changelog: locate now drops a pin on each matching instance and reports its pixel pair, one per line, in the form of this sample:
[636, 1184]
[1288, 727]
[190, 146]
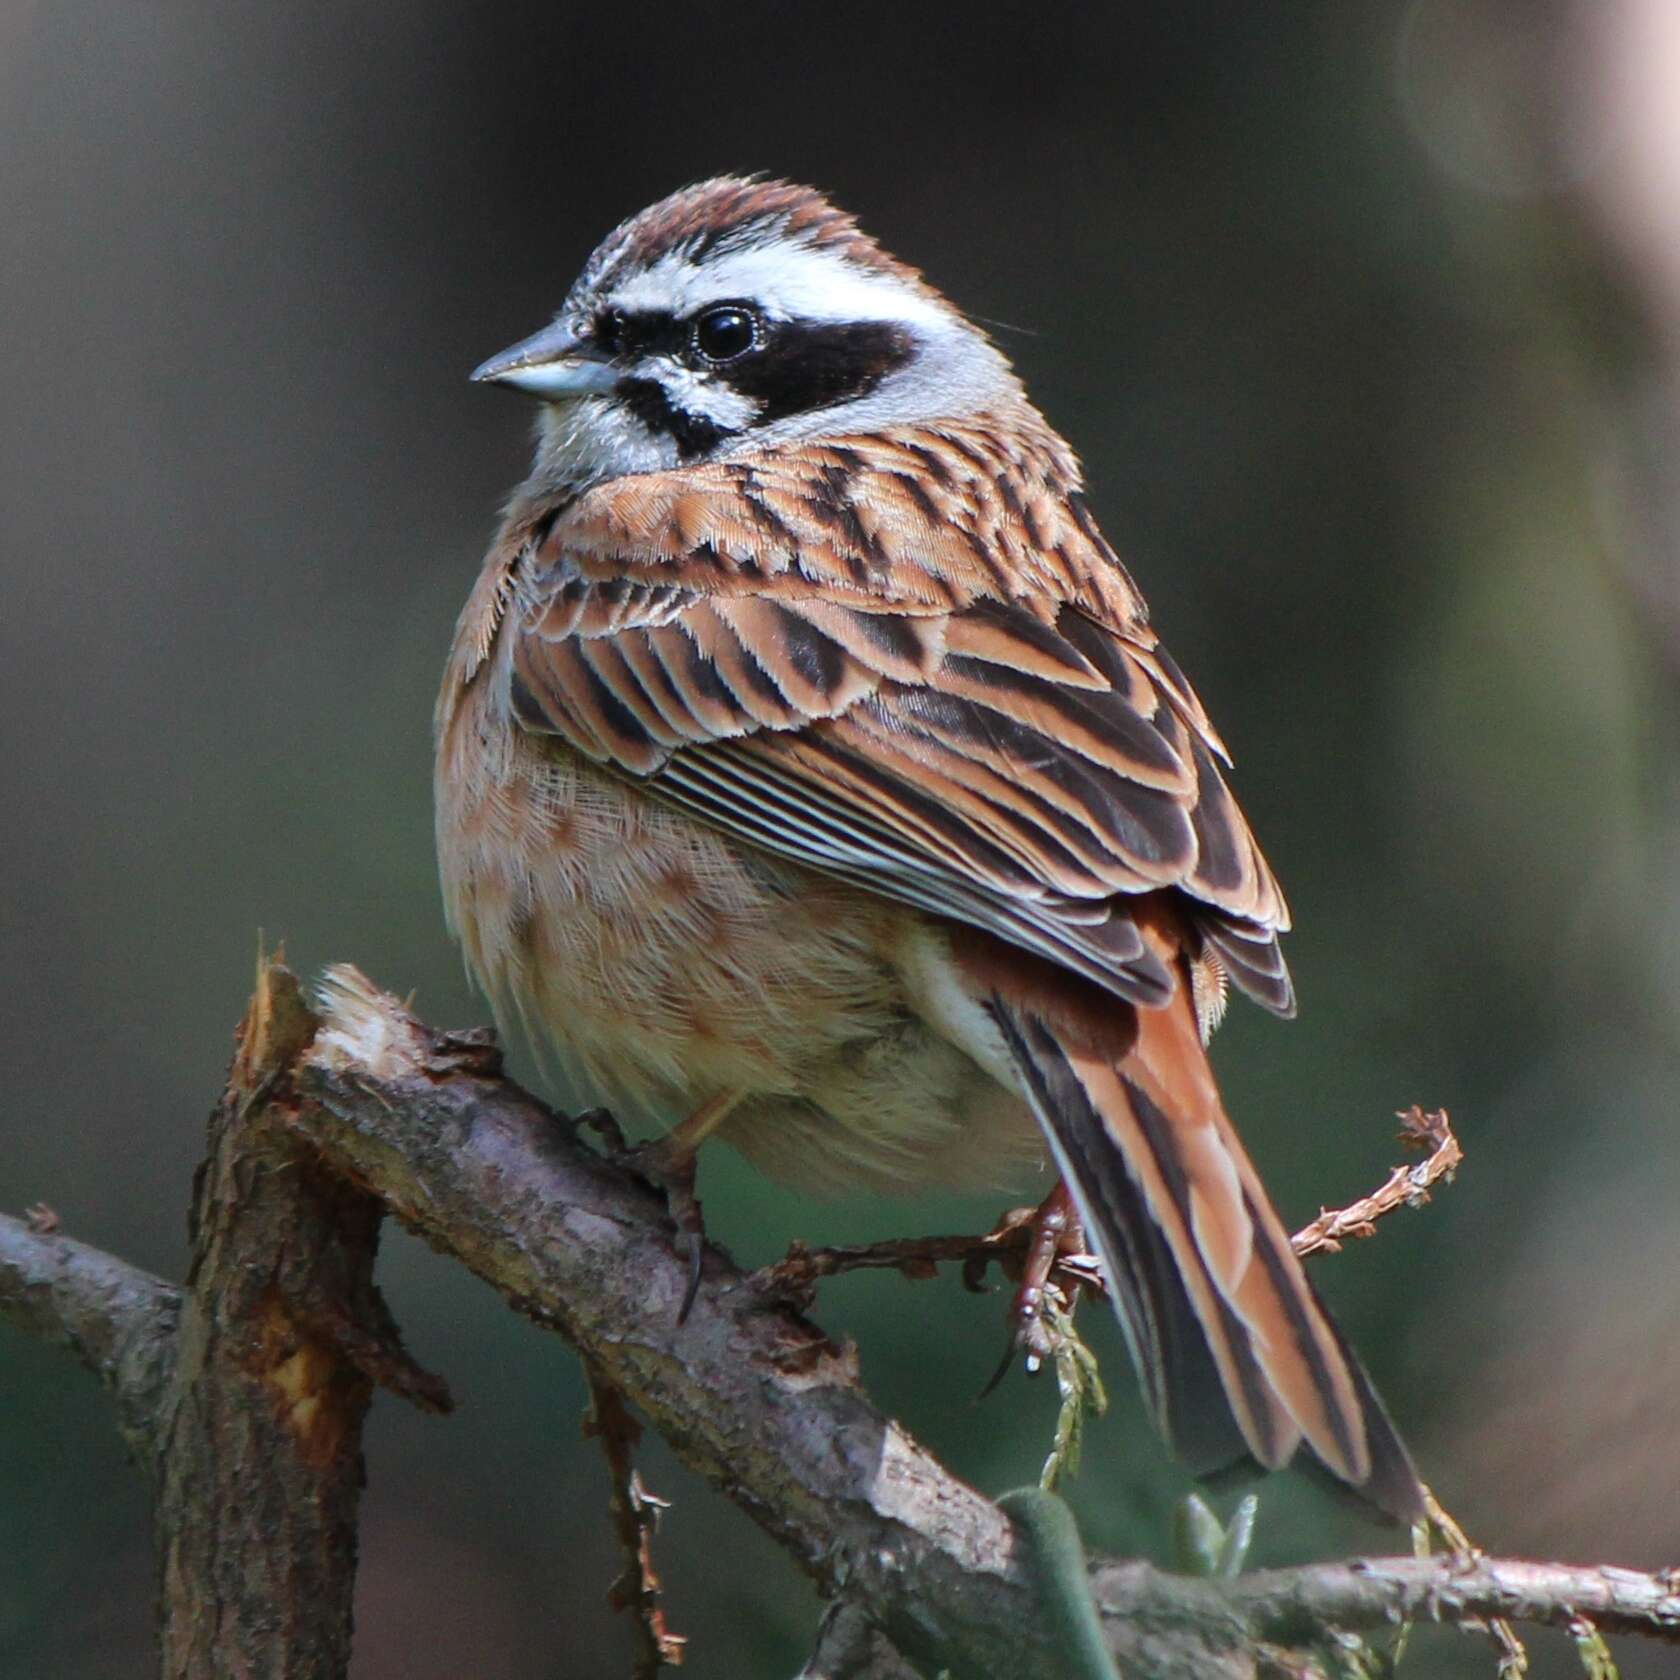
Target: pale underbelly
[665, 965]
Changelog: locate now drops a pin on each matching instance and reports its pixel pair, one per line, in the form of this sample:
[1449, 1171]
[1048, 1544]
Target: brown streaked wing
[924, 517]
[835, 678]
[738, 787]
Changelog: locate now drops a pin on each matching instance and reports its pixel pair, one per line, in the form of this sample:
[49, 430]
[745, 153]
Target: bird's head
[737, 314]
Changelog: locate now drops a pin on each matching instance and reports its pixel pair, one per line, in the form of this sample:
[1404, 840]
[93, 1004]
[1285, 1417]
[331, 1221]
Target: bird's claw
[669, 1168]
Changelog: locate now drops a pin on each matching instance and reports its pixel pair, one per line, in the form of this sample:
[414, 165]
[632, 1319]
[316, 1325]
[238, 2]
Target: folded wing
[861, 694]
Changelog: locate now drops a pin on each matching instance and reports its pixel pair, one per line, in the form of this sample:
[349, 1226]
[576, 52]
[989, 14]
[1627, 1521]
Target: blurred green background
[1365, 319]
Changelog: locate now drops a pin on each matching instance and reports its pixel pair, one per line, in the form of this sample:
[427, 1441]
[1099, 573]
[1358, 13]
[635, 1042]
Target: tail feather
[1182, 1381]
[1236, 1353]
[1223, 1229]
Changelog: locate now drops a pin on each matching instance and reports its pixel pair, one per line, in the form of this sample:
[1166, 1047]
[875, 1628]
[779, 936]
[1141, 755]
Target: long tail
[1236, 1353]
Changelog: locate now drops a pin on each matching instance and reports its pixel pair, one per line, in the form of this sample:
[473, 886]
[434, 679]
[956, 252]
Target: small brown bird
[807, 766]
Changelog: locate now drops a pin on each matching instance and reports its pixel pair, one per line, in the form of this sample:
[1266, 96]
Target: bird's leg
[1054, 1234]
[1054, 1269]
[669, 1163]
[1055, 1231]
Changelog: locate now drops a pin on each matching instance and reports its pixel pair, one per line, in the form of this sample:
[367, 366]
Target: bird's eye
[609, 331]
[722, 334]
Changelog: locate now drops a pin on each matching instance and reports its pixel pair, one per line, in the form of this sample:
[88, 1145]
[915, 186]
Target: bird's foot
[1054, 1270]
[668, 1165]
[1054, 1267]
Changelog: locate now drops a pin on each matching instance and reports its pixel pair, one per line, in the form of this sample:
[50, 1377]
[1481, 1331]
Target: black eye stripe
[640, 333]
[792, 367]
[806, 365]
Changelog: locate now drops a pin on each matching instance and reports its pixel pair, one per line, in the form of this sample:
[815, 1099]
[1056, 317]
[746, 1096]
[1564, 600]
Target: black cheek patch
[809, 365]
[649, 401]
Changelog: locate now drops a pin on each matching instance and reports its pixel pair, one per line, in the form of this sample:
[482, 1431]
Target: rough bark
[278, 1340]
[121, 1322]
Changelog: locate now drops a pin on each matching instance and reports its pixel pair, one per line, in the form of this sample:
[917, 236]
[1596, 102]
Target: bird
[807, 767]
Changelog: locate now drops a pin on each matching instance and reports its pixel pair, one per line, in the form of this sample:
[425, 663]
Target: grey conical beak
[552, 363]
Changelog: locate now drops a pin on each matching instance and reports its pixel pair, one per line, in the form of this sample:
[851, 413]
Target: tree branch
[282, 1339]
[753, 1395]
[750, 1394]
[328, 1121]
[1369, 1592]
[118, 1320]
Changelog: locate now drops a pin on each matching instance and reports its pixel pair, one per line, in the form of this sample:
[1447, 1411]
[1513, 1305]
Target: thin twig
[794, 1277]
[1371, 1592]
[635, 1512]
[1513, 1654]
[1406, 1186]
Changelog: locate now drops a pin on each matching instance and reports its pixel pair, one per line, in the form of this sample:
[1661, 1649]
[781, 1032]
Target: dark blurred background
[1366, 320]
